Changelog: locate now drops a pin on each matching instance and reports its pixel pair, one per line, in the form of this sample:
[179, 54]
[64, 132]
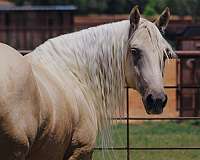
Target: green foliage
[177, 7]
[150, 8]
[107, 6]
[90, 6]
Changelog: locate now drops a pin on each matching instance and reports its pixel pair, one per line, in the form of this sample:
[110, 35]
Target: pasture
[158, 134]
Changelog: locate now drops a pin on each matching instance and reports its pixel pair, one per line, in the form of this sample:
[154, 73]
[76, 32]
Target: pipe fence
[179, 87]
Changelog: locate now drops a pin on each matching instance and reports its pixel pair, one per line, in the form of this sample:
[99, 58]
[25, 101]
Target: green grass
[157, 134]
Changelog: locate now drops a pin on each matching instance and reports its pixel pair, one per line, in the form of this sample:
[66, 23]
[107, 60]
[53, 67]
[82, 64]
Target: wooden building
[25, 27]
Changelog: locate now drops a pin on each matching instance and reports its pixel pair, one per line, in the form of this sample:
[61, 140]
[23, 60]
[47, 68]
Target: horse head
[145, 60]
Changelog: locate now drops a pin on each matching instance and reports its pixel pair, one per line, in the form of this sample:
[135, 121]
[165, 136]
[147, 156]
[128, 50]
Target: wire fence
[179, 91]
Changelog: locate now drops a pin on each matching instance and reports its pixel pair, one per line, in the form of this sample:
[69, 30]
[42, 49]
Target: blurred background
[25, 24]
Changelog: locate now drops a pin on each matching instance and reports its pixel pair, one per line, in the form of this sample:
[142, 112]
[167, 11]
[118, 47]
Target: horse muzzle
[155, 103]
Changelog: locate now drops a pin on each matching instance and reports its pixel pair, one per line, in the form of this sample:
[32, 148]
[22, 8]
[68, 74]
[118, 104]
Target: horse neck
[91, 61]
[106, 77]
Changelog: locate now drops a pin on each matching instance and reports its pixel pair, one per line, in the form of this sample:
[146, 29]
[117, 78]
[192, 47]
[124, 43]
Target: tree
[184, 7]
[150, 8]
[177, 7]
[91, 6]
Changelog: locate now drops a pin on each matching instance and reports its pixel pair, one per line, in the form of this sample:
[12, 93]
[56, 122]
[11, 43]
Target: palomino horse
[54, 100]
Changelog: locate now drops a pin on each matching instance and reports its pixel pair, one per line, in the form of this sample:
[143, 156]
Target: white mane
[89, 64]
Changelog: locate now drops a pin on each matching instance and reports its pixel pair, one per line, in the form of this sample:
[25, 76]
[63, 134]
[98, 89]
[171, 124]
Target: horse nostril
[162, 100]
[150, 100]
[156, 101]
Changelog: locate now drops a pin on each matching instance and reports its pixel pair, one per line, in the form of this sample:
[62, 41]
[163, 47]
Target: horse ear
[163, 20]
[134, 17]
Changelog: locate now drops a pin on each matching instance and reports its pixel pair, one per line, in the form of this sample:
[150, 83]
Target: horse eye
[134, 50]
[136, 55]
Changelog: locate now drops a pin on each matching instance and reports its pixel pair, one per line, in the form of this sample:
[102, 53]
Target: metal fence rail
[182, 55]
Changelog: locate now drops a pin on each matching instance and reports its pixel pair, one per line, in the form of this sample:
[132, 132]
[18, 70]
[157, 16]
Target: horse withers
[55, 100]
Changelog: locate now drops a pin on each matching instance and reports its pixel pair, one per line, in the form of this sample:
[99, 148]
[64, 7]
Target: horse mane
[89, 64]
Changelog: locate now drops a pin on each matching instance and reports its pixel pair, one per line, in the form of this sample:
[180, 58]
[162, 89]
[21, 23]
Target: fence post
[127, 123]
